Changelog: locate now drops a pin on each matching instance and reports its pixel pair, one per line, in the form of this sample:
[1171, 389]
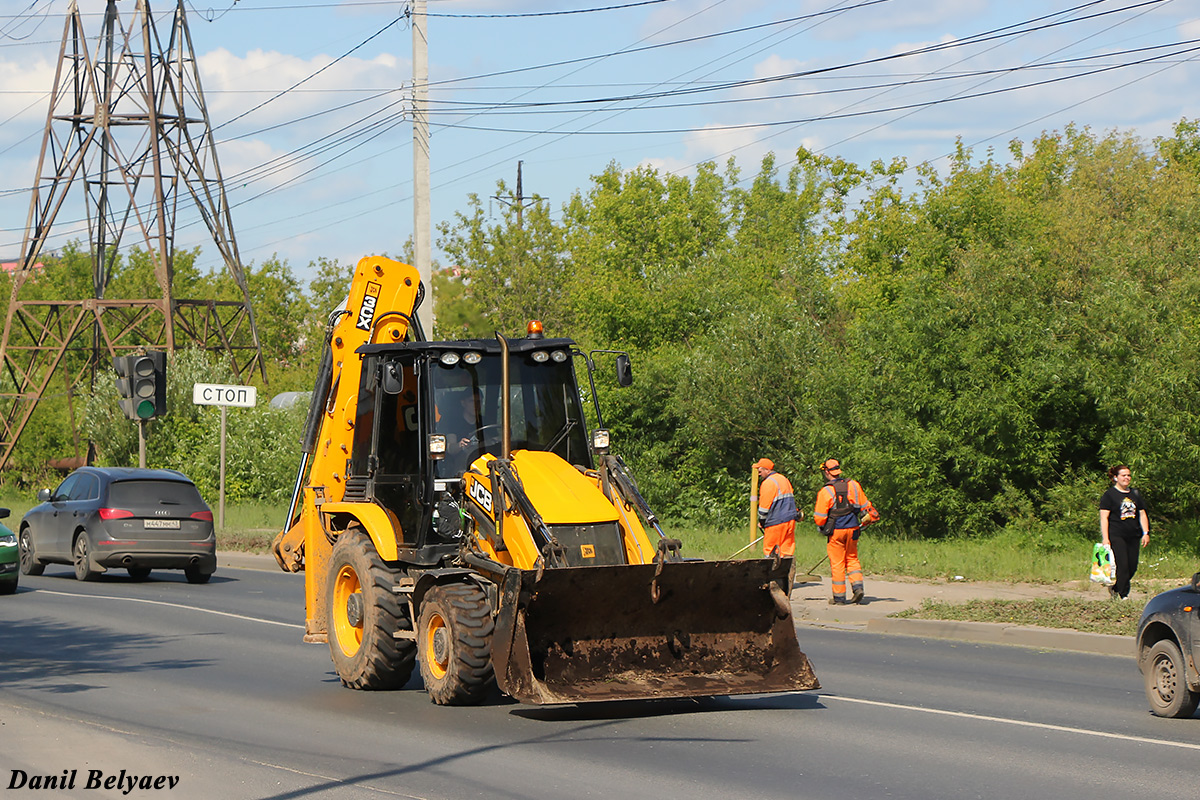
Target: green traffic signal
[142, 384]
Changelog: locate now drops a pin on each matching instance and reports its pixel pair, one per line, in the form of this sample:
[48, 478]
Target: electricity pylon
[127, 122]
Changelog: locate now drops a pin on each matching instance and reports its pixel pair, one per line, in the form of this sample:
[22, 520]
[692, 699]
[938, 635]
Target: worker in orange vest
[777, 512]
[842, 510]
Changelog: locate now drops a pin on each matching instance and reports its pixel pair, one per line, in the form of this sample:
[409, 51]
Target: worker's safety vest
[843, 513]
[783, 504]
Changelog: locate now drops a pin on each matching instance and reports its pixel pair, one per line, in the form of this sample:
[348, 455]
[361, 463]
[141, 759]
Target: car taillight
[114, 513]
[203, 515]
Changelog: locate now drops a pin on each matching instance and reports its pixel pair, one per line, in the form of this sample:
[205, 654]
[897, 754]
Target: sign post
[212, 394]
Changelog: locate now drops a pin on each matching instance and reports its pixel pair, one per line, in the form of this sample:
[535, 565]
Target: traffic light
[142, 384]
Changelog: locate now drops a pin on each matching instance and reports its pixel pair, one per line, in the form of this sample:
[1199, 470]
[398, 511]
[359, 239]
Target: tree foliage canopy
[976, 345]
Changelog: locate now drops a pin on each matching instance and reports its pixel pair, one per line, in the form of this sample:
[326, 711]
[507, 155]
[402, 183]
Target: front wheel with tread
[363, 614]
[81, 558]
[454, 640]
[30, 565]
[1166, 682]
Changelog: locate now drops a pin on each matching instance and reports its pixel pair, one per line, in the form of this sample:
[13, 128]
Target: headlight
[558, 356]
[541, 356]
[8, 539]
[600, 441]
[471, 358]
[449, 359]
[437, 446]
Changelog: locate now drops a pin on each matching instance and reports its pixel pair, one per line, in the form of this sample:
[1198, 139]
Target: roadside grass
[1089, 616]
[1172, 557]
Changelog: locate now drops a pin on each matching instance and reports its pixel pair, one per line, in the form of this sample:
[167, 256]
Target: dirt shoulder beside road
[810, 606]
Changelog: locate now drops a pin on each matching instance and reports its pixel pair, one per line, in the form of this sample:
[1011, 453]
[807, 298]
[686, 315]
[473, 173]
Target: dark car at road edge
[1168, 650]
[9, 560]
[101, 518]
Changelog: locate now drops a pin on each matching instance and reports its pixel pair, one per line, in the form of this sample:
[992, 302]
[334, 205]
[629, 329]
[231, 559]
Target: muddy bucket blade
[696, 628]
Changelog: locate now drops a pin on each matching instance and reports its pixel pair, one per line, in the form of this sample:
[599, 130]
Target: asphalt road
[212, 685]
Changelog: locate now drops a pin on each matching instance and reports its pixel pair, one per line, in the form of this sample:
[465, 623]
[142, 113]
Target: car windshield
[150, 492]
[545, 410]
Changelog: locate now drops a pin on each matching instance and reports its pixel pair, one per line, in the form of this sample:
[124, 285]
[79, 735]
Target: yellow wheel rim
[348, 635]
[437, 645]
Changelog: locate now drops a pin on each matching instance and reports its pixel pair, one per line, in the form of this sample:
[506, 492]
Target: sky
[310, 102]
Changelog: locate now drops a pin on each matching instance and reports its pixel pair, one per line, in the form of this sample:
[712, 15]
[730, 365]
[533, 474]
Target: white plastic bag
[1104, 569]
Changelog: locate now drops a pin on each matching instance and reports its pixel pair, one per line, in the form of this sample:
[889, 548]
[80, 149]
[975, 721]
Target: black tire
[30, 564]
[1166, 682]
[81, 558]
[454, 641]
[138, 573]
[362, 614]
[8, 587]
[194, 575]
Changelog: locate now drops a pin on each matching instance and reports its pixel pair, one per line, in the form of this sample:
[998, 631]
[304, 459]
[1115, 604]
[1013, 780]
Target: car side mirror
[4, 512]
[44, 496]
[1196, 582]
[393, 378]
[624, 370]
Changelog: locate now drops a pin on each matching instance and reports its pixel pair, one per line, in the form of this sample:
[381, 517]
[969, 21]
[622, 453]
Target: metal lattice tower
[127, 122]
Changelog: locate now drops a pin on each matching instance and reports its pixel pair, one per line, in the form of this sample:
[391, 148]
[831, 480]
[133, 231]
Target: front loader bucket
[680, 629]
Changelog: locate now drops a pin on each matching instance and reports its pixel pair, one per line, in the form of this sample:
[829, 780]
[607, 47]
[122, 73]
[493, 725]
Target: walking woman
[1124, 526]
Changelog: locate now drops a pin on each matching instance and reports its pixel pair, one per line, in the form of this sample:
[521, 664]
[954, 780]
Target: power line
[526, 15]
[846, 115]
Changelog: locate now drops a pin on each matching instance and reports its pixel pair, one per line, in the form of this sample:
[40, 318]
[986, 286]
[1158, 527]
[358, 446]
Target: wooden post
[753, 504]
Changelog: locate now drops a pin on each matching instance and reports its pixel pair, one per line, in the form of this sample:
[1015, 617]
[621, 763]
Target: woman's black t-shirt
[1124, 519]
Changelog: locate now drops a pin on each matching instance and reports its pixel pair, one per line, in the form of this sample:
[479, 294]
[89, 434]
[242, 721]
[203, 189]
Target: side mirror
[4, 512]
[44, 496]
[393, 378]
[624, 370]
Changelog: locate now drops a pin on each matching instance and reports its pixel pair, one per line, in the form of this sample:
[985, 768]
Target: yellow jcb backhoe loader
[452, 510]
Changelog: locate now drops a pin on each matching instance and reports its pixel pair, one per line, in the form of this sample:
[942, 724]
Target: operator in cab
[462, 428]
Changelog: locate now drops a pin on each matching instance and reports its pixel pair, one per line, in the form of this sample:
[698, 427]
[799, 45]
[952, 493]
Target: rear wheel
[1166, 682]
[194, 575]
[454, 639]
[363, 614]
[81, 558]
[30, 565]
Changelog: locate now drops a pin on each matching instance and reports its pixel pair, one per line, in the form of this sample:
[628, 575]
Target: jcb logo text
[366, 314]
[482, 496]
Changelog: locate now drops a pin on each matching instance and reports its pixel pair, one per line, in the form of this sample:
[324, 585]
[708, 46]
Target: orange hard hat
[764, 463]
[832, 466]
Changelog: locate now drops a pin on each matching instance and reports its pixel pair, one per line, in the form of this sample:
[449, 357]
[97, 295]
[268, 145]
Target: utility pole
[422, 246]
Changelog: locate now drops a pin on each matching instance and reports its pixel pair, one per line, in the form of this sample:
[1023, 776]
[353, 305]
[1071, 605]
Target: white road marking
[331, 779]
[1022, 723]
[172, 605]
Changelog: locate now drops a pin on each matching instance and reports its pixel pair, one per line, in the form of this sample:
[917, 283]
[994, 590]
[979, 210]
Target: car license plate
[162, 523]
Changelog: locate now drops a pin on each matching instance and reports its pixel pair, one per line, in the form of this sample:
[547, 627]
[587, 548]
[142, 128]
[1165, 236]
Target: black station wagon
[102, 518]
[1168, 648]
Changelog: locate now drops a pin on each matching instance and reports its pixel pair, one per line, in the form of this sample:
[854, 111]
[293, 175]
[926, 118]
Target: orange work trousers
[782, 536]
[843, 560]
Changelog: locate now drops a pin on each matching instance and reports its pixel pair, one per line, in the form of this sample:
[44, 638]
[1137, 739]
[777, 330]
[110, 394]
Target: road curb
[239, 560]
[1000, 633]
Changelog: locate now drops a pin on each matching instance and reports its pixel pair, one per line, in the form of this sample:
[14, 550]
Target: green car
[9, 557]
